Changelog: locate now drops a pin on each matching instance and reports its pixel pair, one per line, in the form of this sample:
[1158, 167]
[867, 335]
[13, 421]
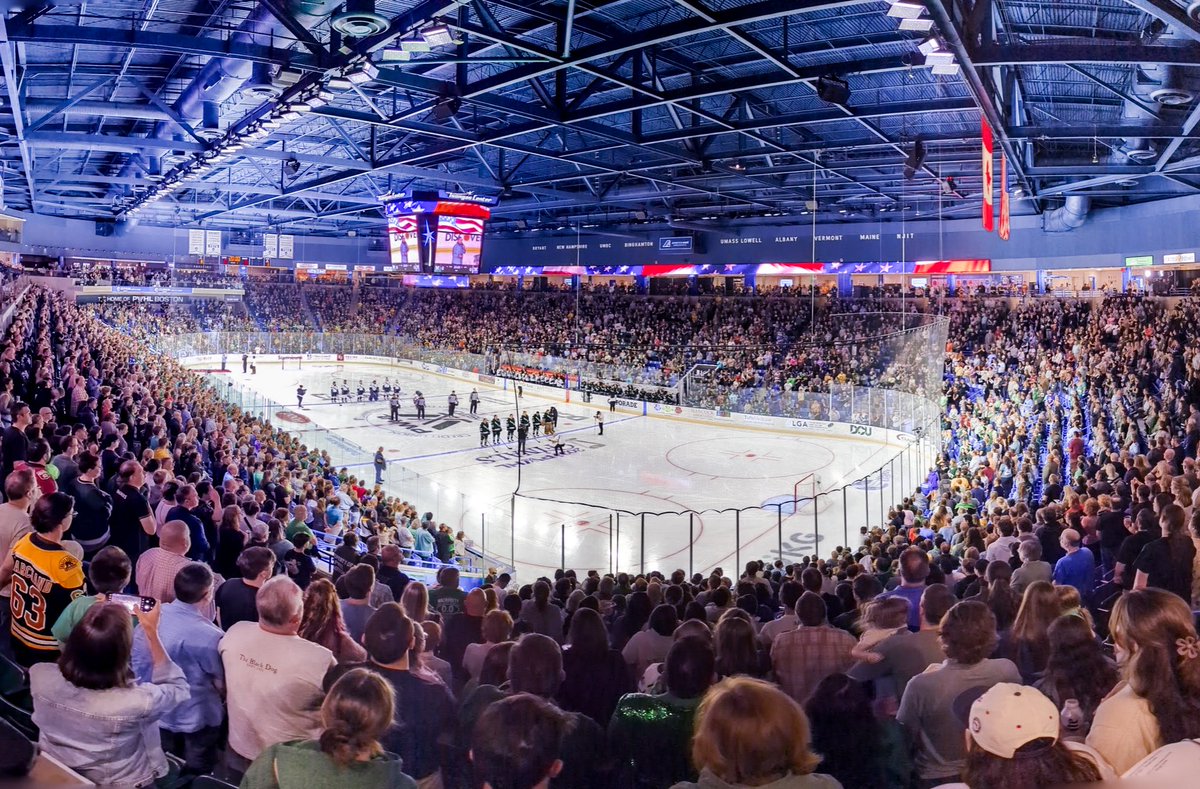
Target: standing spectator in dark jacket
[15, 445]
[595, 674]
[184, 510]
[93, 508]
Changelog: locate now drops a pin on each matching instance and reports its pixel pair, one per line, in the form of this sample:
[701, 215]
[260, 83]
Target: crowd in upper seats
[1023, 619]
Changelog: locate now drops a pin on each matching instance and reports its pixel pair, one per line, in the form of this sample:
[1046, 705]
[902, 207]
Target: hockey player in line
[361, 391]
[495, 430]
[345, 391]
[333, 392]
[511, 424]
[537, 423]
[484, 430]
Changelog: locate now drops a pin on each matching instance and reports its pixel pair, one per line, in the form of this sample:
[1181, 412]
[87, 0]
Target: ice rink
[703, 495]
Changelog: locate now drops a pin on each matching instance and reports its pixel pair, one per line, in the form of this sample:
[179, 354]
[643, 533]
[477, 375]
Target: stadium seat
[17, 751]
[21, 719]
[14, 679]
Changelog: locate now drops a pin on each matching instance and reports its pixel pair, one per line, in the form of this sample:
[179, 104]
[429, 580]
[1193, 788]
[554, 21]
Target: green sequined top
[651, 737]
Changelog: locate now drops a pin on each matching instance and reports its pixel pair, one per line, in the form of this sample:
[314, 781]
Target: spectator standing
[156, 570]
[856, 747]
[19, 495]
[93, 717]
[447, 598]
[651, 735]
[1077, 567]
[968, 635]
[905, 655]
[346, 751]
[748, 734]
[272, 676]
[462, 629]
[132, 519]
[1166, 563]
[535, 667]
[595, 675]
[518, 742]
[542, 616]
[803, 657]
[424, 712]
[651, 645]
[1032, 567]
[109, 574]
[356, 608]
[322, 623]
[45, 579]
[93, 508]
[914, 570]
[390, 559]
[14, 446]
[187, 503]
[235, 599]
[191, 729]
[1158, 701]
[1077, 668]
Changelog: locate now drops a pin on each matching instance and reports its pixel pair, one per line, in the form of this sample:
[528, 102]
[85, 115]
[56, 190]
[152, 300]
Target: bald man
[272, 676]
[157, 567]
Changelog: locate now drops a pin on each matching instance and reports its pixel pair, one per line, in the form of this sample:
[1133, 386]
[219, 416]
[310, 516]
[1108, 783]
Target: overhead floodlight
[438, 35]
[363, 73]
[921, 25]
[905, 10]
[946, 69]
[417, 44]
[935, 58]
[340, 83]
[930, 44]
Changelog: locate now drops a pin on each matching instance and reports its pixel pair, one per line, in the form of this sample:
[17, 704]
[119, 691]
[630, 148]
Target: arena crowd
[1023, 619]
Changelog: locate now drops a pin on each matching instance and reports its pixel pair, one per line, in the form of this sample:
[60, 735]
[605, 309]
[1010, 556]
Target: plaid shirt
[803, 657]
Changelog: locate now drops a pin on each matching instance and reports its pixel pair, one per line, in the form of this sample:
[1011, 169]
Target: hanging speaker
[915, 160]
[833, 90]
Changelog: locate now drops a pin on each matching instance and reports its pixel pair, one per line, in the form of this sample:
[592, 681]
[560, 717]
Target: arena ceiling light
[929, 45]
[438, 35]
[921, 25]
[903, 9]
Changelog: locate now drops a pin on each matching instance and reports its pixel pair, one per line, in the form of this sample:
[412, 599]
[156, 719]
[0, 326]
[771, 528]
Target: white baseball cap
[1008, 716]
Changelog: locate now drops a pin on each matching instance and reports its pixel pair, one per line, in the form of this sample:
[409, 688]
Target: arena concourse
[623, 394]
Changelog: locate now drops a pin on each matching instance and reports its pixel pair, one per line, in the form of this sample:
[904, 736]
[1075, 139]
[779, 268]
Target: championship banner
[988, 204]
[1005, 216]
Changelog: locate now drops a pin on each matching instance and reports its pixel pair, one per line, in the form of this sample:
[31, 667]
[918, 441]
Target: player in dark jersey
[333, 392]
[361, 391]
[387, 386]
[495, 430]
[373, 392]
[523, 422]
[552, 415]
[300, 392]
[511, 423]
[537, 423]
[483, 433]
[345, 391]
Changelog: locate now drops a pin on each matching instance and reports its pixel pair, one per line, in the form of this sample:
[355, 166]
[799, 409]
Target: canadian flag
[989, 206]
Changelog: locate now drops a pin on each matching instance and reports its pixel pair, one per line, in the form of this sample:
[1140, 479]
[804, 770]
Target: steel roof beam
[8, 63]
[1072, 52]
[160, 42]
[1169, 12]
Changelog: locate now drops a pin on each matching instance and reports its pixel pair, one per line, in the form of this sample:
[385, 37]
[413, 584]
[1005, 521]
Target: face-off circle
[750, 457]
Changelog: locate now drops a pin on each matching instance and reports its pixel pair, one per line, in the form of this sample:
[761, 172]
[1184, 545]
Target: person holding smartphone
[102, 720]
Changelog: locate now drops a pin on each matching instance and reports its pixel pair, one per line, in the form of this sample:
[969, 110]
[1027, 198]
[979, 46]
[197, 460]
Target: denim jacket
[108, 736]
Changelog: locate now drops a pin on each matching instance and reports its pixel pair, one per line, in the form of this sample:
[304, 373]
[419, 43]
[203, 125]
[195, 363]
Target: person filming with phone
[94, 717]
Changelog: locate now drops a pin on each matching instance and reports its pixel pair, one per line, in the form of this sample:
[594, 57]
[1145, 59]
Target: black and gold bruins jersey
[46, 578]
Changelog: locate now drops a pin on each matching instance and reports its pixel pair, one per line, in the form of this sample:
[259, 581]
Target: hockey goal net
[805, 491]
[291, 362]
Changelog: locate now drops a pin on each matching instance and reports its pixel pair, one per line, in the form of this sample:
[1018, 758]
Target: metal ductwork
[1139, 150]
[1072, 214]
[220, 78]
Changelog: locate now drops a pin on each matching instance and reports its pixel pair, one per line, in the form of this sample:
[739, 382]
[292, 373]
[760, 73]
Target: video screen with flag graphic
[402, 243]
[459, 245]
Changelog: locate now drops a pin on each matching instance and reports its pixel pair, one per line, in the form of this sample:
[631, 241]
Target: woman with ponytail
[356, 713]
[1158, 701]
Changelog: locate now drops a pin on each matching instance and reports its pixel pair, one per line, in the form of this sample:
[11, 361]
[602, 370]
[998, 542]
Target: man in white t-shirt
[789, 593]
[272, 676]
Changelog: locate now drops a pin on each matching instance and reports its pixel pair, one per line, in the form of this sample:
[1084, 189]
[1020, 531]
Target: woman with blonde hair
[322, 623]
[415, 601]
[496, 628]
[750, 733]
[1158, 701]
[357, 711]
